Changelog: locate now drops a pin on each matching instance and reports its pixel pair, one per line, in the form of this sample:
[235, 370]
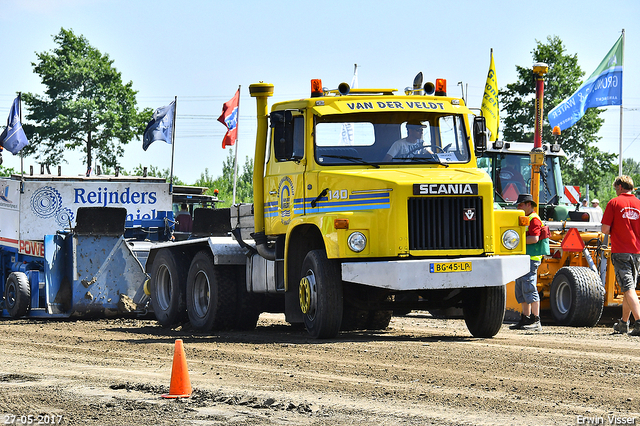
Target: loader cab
[509, 166]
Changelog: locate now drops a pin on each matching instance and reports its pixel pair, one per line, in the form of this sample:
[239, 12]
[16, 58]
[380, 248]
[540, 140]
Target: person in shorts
[526, 288]
[621, 220]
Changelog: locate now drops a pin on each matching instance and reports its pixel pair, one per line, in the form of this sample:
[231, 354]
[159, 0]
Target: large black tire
[211, 294]
[17, 294]
[320, 292]
[354, 318]
[577, 297]
[249, 305]
[404, 297]
[167, 287]
[483, 309]
[379, 320]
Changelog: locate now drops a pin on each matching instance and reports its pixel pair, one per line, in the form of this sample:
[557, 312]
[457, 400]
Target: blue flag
[13, 138]
[160, 128]
[602, 88]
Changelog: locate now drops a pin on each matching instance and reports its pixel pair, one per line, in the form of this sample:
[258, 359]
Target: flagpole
[235, 160]
[21, 154]
[620, 149]
[173, 142]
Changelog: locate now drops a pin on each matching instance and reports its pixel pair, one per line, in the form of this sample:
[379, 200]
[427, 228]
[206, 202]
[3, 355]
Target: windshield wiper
[430, 159]
[354, 159]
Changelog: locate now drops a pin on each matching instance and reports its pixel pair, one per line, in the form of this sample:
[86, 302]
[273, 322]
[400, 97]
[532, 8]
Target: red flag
[229, 118]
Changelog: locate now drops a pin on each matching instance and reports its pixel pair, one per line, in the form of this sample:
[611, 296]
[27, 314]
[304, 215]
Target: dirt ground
[420, 371]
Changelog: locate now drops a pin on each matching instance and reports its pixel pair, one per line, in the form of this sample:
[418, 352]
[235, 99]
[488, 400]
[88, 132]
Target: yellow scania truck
[365, 201]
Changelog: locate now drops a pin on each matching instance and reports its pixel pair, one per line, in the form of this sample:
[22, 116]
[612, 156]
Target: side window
[298, 137]
[287, 136]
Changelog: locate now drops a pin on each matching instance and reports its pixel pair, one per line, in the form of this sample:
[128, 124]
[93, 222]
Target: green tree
[7, 171]
[224, 183]
[605, 190]
[585, 163]
[155, 172]
[85, 106]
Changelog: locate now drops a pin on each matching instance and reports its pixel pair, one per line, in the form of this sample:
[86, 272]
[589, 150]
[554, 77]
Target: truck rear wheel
[17, 294]
[379, 320]
[320, 293]
[168, 278]
[577, 297]
[211, 300]
[483, 309]
[353, 318]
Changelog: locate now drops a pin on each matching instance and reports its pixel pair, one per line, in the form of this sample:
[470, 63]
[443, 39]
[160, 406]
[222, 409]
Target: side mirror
[480, 134]
[282, 124]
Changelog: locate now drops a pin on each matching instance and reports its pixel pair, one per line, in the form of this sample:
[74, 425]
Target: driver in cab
[410, 146]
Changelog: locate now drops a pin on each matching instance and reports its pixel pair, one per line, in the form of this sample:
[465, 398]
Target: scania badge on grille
[445, 189]
[469, 214]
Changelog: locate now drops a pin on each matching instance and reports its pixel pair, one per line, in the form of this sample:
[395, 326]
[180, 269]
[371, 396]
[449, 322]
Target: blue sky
[201, 51]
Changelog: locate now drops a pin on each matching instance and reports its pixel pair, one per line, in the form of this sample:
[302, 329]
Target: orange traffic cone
[180, 384]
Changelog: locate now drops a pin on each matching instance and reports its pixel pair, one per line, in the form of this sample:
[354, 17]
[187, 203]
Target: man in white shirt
[410, 146]
[596, 211]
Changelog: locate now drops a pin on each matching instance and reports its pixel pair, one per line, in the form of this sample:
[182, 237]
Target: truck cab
[383, 191]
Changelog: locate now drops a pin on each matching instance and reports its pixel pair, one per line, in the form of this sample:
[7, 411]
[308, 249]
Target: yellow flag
[490, 109]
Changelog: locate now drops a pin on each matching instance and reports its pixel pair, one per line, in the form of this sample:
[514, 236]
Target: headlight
[510, 239]
[357, 241]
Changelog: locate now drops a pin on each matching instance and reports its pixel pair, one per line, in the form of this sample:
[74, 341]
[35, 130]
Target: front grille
[438, 223]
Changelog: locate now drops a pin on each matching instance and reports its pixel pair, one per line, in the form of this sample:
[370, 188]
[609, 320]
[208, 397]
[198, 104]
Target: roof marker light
[441, 87]
[316, 88]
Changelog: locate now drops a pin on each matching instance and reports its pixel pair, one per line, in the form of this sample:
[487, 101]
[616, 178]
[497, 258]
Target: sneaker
[524, 320]
[636, 329]
[621, 327]
[534, 324]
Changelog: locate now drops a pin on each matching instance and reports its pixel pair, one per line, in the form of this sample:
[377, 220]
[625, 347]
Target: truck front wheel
[17, 294]
[168, 277]
[320, 293]
[483, 309]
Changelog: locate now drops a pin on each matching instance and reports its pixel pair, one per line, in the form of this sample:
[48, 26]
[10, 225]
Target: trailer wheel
[483, 309]
[577, 297]
[17, 294]
[211, 299]
[320, 292]
[167, 286]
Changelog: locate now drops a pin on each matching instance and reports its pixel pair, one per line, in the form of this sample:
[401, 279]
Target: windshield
[391, 139]
[511, 175]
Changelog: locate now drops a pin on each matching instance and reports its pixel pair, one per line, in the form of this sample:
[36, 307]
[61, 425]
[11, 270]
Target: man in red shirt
[621, 220]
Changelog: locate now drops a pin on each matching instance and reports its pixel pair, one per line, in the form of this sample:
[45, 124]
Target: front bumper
[416, 274]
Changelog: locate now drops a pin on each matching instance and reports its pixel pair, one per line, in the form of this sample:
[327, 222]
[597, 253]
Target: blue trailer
[86, 268]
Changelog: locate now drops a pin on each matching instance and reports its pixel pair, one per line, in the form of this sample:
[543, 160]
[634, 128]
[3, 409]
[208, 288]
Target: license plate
[451, 267]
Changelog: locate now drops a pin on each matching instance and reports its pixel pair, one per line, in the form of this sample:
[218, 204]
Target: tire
[211, 298]
[379, 320]
[17, 294]
[249, 306]
[577, 297]
[483, 309]
[354, 318]
[320, 293]
[404, 297]
[167, 287]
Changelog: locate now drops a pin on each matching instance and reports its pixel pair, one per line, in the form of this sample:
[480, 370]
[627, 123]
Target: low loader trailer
[63, 251]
